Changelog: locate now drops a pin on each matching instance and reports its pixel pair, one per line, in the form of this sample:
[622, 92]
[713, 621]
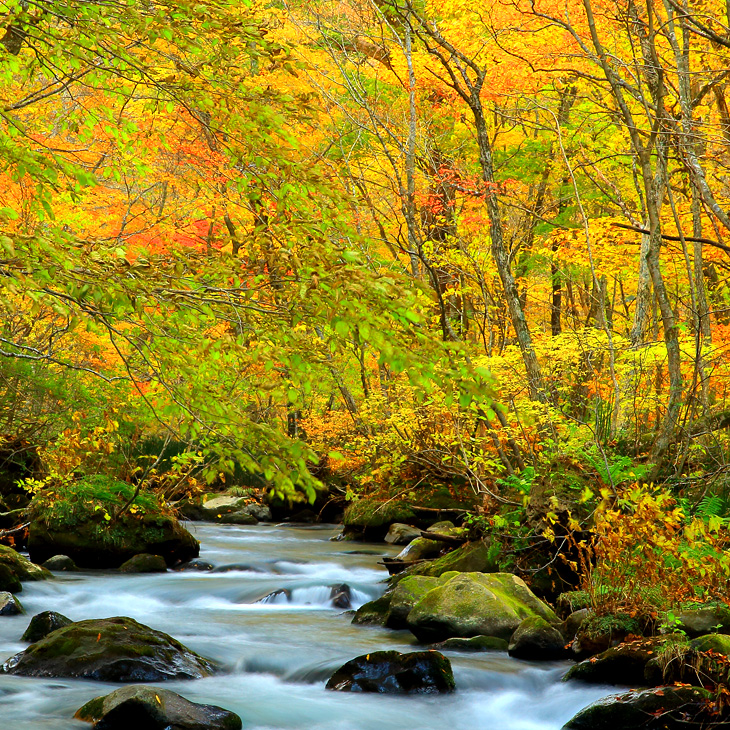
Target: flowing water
[271, 622]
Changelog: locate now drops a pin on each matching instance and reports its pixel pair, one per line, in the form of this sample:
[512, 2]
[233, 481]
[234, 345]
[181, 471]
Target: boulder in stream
[152, 708]
[79, 528]
[418, 672]
[43, 624]
[109, 650]
[10, 605]
[373, 612]
[535, 638]
[662, 708]
[144, 563]
[60, 563]
[401, 534]
[473, 604]
[341, 596]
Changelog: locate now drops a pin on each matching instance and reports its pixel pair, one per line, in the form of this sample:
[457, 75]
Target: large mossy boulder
[418, 672]
[473, 604]
[662, 708]
[405, 596]
[109, 650]
[153, 708]
[83, 521]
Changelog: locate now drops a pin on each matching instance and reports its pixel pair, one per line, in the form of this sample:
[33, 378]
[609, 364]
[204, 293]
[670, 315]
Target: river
[279, 652]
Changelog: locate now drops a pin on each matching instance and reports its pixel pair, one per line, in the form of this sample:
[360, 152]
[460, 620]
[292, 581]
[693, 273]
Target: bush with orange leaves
[647, 557]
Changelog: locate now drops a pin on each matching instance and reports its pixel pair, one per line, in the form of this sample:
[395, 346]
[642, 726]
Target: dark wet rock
[373, 612]
[474, 604]
[10, 605]
[109, 650]
[401, 534]
[43, 624]
[60, 563]
[535, 638]
[261, 512]
[341, 596]
[475, 643]
[624, 664]
[420, 672]
[195, 565]
[662, 708]
[152, 708]
[144, 563]
[405, 596]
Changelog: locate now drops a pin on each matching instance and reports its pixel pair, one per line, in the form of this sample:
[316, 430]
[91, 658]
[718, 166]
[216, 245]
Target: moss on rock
[472, 604]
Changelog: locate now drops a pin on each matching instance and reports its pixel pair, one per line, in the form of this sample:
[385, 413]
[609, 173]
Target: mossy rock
[535, 638]
[405, 596]
[663, 708]
[73, 522]
[472, 557]
[109, 650]
[598, 633]
[368, 513]
[144, 563]
[719, 643]
[473, 604]
[154, 708]
[373, 612]
[19, 566]
[419, 672]
[474, 643]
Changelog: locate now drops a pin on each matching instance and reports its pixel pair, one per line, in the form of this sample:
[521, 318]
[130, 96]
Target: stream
[278, 652]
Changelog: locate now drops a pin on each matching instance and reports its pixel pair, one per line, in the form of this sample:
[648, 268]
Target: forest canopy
[384, 242]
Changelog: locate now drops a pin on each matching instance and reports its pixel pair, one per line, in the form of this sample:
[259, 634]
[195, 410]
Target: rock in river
[43, 624]
[152, 708]
[663, 708]
[418, 672]
[144, 563]
[109, 650]
[473, 604]
[10, 605]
